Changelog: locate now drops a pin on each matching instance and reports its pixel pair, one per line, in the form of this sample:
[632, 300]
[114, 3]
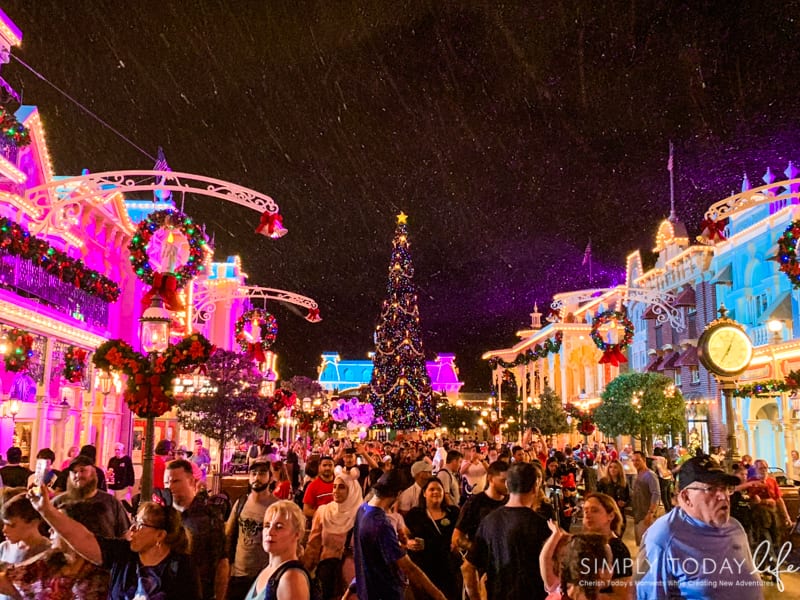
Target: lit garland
[787, 253]
[148, 392]
[17, 241]
[19, 356]
[769, 387]
[269, 332]
[612, 353]
[12, 129]
[74, 364]
[550, 345]
[140, 260]
[400, 389]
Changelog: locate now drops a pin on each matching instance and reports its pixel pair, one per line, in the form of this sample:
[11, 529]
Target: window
[695, 372]
[677, 378]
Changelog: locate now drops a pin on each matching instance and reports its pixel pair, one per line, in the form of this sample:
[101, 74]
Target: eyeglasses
[714, 489]
[139, 525]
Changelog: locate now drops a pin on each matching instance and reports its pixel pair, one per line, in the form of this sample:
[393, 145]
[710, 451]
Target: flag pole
[672, 216]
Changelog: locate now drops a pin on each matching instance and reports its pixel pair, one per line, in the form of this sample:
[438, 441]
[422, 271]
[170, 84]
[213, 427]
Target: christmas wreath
[280, 400]
[787, 253]
[583, 418]
[170, 220]
[148, 391]
[17, 241]
[19, 355]
[612, 353]
[74, 364]
[12, 129]
[268, 328]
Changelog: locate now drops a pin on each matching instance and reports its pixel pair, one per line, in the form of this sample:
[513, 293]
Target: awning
[652, 366]
[780, 309]
[686, 298]
[725, 276]
[688, 358]
[649, 313]
[669, 363]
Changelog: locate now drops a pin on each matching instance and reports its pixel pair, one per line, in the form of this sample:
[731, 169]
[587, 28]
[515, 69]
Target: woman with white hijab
[330, 534]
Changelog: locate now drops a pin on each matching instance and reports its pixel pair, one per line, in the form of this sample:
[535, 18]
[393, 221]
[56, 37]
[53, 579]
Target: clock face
[729, 350]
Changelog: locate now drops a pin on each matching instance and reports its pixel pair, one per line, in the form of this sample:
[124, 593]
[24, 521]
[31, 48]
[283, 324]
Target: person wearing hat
[421, 471]
[696, 550]
[244, 527]
[109, 517]
[380, 561]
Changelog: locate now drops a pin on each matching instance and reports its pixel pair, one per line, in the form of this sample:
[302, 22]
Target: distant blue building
[341, 375]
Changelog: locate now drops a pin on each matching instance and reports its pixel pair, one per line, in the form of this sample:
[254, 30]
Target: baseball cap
[421, 466]
[705, 470]
[259, 463]
[387, 458]
[389, 484]
[80, 461]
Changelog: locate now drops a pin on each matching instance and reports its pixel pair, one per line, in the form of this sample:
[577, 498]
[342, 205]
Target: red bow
[256, 352]
[166, 286]
[713, 231]
[271, 225]
[313, 315]
[79, 354]
[613, 356]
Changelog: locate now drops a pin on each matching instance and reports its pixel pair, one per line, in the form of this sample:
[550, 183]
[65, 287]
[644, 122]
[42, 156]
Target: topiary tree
[661, 408]
[550, 418]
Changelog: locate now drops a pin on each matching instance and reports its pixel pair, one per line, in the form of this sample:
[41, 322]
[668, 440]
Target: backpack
[238, 507]
[272, 584]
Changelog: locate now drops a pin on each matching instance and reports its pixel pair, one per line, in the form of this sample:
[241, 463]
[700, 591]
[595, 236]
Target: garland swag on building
[400, 389]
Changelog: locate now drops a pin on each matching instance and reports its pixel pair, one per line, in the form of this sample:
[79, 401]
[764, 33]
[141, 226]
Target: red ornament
[712, 231]
[313, 315]
[271, 225]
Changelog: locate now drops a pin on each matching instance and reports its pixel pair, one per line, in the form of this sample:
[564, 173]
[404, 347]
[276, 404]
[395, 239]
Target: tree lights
[400, 389]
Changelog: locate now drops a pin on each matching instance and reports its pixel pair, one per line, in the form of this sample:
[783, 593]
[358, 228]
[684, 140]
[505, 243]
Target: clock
[724, 348]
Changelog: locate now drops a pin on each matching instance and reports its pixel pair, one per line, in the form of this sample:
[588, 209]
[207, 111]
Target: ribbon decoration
[166, 286]
[613, 356]
[313, 315]
[712, 231]
[256, 352]
[271, 225]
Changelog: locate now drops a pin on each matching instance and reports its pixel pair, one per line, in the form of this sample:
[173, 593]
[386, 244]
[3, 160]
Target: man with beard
[207, 529]
[243, 531]
[320, 490]
[109, 516]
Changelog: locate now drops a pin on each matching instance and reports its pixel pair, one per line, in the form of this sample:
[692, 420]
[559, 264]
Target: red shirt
[318, 493]
[159, 466]
[283, 490]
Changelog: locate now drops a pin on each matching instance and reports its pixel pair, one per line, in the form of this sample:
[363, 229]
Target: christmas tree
[400, 389]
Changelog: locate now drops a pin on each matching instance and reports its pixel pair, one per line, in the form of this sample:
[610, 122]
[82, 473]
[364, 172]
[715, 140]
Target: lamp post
[155, 339]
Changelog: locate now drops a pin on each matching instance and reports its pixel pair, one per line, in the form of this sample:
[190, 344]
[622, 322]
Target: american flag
[161, 161]
[587, 254]
[669, 162]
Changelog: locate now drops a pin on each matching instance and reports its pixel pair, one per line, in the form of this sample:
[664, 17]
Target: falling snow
[507, 142]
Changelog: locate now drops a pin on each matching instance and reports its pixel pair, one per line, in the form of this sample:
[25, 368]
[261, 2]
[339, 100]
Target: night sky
[510, 133]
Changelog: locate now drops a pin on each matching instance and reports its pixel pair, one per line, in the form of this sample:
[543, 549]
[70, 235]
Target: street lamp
[11, 409]
[155, 339]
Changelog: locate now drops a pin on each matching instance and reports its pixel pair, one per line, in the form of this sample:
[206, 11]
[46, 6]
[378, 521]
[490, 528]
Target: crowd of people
[393, 520]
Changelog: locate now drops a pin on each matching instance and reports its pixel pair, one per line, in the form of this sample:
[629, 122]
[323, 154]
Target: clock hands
[727, 351]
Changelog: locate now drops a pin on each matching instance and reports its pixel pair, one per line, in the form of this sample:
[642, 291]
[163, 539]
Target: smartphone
[39, 475]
